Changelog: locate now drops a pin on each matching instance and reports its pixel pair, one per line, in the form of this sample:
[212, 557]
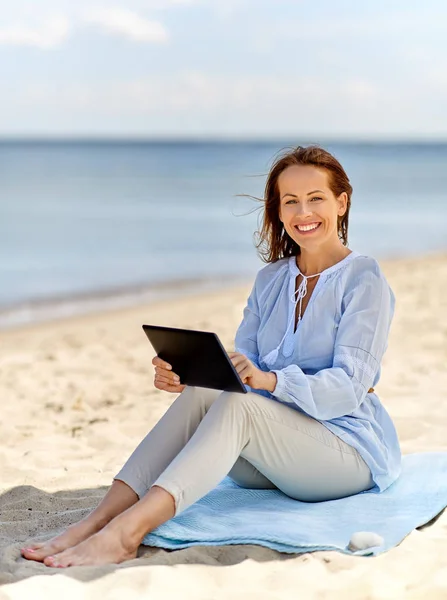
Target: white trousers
[260, 443]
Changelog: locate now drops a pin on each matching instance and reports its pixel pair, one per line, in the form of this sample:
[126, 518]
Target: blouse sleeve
[360, 343]
[246, 335]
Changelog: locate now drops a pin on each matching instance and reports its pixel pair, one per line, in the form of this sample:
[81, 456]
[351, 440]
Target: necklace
[302, 291]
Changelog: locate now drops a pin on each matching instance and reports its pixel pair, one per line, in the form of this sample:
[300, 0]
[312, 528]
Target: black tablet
[198, 357]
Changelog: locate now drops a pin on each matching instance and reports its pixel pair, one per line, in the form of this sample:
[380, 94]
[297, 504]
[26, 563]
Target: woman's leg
[247, 475]
[146, 463]
[291, 450]
[118, 498]
[167, 438]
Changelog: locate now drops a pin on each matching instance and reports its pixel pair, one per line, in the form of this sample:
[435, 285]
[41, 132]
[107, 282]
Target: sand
[77, 396]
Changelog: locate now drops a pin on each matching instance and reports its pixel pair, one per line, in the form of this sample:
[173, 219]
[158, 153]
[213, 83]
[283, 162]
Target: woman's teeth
[309, 227]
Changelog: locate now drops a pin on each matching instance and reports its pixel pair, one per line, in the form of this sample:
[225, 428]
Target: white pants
[260, 443]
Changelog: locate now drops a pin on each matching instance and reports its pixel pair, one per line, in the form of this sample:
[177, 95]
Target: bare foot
[111, 545]
[72, 536]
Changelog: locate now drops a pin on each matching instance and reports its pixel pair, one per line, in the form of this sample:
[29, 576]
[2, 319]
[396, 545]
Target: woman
[309, 349]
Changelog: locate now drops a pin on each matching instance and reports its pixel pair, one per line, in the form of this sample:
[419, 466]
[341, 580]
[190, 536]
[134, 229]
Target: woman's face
[308, 209]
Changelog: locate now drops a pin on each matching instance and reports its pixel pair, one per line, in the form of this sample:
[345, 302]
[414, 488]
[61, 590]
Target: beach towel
[230, 514]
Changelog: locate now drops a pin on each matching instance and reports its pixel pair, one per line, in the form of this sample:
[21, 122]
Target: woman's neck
[311, 263]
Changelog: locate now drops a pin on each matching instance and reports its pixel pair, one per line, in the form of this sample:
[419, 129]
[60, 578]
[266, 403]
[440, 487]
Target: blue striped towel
[230, 514]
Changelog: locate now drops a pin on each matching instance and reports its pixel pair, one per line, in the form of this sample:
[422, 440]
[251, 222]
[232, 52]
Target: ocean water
[93, 224]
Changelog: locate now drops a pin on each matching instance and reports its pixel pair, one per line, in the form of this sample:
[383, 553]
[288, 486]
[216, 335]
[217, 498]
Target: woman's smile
[307, 229]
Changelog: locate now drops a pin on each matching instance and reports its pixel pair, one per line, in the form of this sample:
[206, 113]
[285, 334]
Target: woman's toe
[34, 551]
[50, 561]
[62, 559]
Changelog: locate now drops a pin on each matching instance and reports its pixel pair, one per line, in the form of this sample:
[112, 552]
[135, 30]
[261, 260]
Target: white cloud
[194, 103]
[307, 102]
[377, 26]
[124, 22]
[257, 105]
[49, 34]
[18, 9]
[24, 22]
[166, 4]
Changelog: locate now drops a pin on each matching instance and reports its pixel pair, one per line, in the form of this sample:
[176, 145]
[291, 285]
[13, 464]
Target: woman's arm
[246, 335]
[246, 344]
[360, 344]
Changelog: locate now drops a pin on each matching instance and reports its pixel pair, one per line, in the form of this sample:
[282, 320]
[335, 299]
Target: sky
[224, 69]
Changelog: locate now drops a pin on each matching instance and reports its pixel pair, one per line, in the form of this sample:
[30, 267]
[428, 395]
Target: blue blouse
[326, 367]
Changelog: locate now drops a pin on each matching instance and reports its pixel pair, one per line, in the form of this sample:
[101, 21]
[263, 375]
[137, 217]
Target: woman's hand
[251, 375]
[165, 379]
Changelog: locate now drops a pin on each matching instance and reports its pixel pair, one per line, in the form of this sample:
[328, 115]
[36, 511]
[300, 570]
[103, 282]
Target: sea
[89, 225]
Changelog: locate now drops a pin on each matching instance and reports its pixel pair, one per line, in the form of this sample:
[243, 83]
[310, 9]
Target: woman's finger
[158, 362]
[166, 387]
[241, 364]
[165, 373]
[239, 359]
[162, 383]
[166, 380]
[166, 376]
[245, 373]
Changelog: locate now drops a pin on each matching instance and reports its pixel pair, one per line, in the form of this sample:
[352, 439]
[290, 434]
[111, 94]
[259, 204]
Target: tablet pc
[198, 357]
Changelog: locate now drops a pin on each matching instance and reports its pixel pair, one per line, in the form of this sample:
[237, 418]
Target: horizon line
[307, 139]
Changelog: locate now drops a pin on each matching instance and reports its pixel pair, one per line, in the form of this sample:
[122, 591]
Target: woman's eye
[314, 199]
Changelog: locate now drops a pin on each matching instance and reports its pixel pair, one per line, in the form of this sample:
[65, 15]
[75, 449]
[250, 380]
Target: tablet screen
[198, 357]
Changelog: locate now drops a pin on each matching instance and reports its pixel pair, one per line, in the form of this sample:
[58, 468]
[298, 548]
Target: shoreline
[61, 308]
[46, 310]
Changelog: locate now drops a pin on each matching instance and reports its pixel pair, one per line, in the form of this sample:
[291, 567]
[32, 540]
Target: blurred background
[129, 130]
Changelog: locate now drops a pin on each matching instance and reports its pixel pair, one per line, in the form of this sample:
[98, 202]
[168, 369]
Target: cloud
[126, 23]
[167, 4]
[195, 93]
[195, 102]
[27, 27]
[51, 33]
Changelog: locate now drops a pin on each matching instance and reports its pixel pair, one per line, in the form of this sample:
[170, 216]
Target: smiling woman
[309, 354]
[319, 313]
[305, 183]
[307, 202]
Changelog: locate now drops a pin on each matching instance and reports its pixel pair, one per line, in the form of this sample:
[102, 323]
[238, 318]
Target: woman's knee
[247, 475]
[237, 401]
[198, 398]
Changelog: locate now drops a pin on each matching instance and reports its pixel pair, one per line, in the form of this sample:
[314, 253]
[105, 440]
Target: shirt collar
[294, 270]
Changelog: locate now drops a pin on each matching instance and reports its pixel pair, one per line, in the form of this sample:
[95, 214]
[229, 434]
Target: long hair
[273, 240]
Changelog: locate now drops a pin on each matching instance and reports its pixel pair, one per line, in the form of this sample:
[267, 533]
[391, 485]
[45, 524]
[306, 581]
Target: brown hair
[274, 242]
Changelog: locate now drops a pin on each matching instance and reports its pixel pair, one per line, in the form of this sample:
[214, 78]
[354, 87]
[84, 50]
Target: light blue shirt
[326, 367]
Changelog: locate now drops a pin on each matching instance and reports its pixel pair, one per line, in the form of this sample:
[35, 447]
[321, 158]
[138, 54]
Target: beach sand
[77, 396]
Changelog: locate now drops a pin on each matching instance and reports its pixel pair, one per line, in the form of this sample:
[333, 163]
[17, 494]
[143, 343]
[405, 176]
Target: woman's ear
[342, 201]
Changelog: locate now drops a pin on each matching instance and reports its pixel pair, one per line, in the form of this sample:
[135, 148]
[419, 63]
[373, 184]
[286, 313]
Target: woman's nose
[303, 208]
